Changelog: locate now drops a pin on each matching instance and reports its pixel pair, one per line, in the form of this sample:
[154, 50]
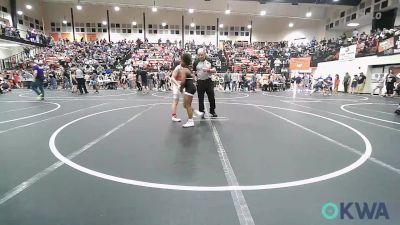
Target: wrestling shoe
[175, 119]
[198, 113]
[189, 123]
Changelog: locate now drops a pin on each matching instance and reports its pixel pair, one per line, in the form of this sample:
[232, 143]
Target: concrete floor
[270, 159]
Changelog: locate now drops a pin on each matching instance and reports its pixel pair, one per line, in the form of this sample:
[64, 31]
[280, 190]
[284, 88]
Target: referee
[203, 69]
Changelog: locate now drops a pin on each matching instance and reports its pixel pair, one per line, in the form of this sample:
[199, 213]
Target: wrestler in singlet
[175, 83]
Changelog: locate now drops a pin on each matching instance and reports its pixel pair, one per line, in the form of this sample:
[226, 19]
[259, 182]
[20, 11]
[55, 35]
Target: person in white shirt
[128, 68]
[81, 81]
[381, 81]
[235, 78]
[130, 80]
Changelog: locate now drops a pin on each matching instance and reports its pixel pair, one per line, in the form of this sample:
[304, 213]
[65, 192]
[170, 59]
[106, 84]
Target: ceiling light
[104, 22]
[191, 10]
[221, 25]
[263, 13]
[192, 24]
[249, 26]
[116, 8]
[134, 23]
[19, 12]
[79, 7]
[335, 0]
[228, 11]
[291, 24]
[353, 24]
[308, 14]
[163, 24]
[28, 6]
[154, 9]
[64, 22]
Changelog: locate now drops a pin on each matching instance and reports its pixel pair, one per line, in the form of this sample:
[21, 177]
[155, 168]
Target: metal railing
[19, 35]
[12, 61]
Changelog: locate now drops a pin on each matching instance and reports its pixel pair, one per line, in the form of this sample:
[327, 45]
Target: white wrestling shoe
[198, 113]
[189, 123]
[175, 119]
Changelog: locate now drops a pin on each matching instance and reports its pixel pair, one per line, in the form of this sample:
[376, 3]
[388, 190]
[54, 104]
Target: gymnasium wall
[356, 66]
[264, 28]
[6, 16]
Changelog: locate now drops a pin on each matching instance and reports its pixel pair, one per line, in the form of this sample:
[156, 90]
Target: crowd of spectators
[32, 35]
[113, 62]
[275, 55]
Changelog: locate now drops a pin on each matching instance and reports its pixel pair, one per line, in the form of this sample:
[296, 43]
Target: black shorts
[144, 82]
[190, 88]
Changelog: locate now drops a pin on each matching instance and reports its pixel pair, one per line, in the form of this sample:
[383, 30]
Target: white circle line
[364, 157]
[26, 117]
[365, 116]
[238, 97]
[318, 99]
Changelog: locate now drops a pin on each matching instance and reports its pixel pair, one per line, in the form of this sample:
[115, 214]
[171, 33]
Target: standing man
[161, 77]
[81, 80]
[38, 75]
[361, 82]
[381, 81]
[235, 78]
[204, 68]
[227, 80]
[389, 81]
[346, 82]
[143, 75]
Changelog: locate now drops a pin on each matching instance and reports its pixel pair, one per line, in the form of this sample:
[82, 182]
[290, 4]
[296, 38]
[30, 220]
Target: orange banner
[300, 63]
[66, 35]
[55, 36]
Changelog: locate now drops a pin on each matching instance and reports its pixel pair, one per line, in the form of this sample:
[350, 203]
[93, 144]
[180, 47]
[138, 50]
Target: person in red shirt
[337, 82]
[16, 80]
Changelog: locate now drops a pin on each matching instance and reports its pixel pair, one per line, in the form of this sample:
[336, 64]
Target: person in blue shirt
[328, 82]
[38, 75]
[318, 84]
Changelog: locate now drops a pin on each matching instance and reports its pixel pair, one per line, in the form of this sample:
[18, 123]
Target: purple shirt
[40, 72]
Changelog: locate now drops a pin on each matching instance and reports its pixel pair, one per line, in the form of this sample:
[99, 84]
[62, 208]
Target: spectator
[354, 83]
[227, 80]
[361, 83]
[81, 80]
[390, 81]
[381, 81]
[346, 82]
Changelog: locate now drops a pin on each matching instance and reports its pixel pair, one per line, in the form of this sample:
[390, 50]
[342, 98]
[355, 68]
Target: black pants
[389, 89]
[206, 86]
[81, 84]
[346, 86]
[227, 84]
[139, 86]
[161, 85]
